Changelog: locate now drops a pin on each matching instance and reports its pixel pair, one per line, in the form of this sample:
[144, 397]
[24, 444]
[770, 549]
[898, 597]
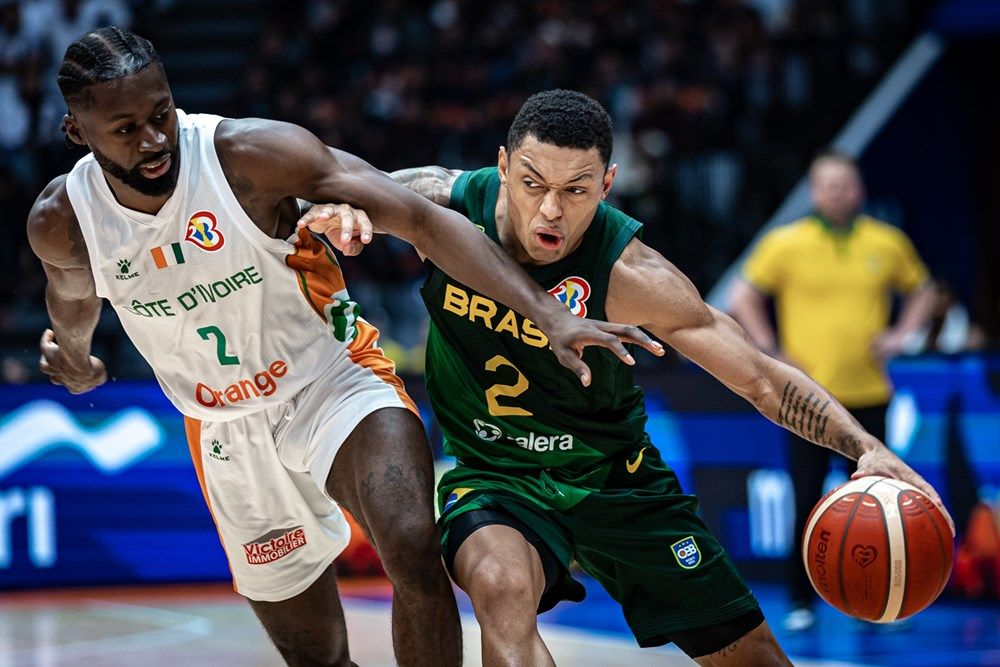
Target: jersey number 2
[220, 345]
[516, 389]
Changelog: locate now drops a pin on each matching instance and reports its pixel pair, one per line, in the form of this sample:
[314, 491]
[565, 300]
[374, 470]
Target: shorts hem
[653, 633]
[321, 465]
[298, 587]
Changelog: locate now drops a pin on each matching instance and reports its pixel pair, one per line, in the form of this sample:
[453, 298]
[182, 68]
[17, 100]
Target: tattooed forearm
[807, 416]
[432, 183]
[803, 415]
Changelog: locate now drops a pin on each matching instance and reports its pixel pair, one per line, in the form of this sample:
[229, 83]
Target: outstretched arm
[73, 305]
[649, 291]
[283, 160]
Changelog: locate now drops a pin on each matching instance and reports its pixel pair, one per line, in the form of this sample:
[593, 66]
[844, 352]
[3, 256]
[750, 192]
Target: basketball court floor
[209, 625]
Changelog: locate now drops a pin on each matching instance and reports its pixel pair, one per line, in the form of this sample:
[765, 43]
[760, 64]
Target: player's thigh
[384, 475]
[756, 648]
[496, 564]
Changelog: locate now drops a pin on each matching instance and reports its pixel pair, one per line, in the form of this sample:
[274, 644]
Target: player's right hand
[76, 377]
[347, 228]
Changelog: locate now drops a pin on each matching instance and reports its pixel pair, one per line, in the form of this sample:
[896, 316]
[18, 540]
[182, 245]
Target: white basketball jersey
[231, 320]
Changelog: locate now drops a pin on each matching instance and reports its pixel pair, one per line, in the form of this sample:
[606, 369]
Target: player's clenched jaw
[130, 125]
[552, 194]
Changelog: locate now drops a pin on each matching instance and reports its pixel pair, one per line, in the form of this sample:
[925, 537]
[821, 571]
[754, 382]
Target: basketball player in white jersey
[290, 407]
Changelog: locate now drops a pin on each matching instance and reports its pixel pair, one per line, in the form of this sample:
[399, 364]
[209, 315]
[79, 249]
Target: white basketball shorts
[264, 475]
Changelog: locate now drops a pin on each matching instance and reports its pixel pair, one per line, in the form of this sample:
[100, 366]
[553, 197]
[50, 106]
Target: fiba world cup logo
[202, 230]
[573, 292]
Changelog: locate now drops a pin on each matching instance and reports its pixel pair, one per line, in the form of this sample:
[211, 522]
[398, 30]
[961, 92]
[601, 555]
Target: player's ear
[609, 178]
[74, 132]
[502, 164]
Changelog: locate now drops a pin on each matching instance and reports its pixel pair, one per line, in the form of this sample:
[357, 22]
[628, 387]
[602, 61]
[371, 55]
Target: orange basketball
[877, 549]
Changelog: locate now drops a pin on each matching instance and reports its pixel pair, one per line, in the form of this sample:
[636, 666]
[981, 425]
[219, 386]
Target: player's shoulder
[259, 138]
[646, 284]
[881, 230]
[50, 217]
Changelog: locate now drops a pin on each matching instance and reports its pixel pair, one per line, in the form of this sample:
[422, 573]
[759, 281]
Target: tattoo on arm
[800, 414]
[804, 416]
[432, 183]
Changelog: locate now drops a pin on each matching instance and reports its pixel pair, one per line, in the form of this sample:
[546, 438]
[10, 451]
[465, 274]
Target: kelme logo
[573, 292]
[202, 230]
[216, 451]
[687, 553]
[125, 270]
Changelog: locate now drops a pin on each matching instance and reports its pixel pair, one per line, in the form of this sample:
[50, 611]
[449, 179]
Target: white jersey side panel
[231, 320]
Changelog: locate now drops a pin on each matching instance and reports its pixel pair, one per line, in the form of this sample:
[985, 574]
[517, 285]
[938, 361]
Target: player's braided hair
[564, 118]
[99, 56]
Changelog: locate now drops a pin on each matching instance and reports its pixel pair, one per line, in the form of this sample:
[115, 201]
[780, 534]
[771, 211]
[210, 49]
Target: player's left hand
[883, 461]
[347, 228]
[568, 336]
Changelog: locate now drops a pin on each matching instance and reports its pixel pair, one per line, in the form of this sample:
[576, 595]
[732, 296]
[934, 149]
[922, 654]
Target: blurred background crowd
[718, 106]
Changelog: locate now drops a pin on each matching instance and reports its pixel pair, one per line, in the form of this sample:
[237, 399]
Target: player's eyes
[576, 191]
[531, 185]
[127, 129]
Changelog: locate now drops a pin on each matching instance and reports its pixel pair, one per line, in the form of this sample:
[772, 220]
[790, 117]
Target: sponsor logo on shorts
[454, 497]
[202, 231]
[533, 442]
[632, 466]
[573, 292]
[687, 553]
[274, 545]
[216, 452]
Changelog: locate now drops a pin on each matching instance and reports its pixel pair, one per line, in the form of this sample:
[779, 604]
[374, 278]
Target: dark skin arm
[269, 164]
[649, 291]
[70, 297]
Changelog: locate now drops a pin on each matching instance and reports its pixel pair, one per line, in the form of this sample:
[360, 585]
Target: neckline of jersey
[169, 207]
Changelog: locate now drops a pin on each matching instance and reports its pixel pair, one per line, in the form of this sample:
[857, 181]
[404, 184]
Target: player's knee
[411, 552]
[498, 587]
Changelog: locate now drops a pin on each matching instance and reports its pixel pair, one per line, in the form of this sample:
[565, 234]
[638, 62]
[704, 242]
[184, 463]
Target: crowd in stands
[703, 95]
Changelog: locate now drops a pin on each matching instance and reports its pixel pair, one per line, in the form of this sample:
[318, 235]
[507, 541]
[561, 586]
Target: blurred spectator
[832, 276]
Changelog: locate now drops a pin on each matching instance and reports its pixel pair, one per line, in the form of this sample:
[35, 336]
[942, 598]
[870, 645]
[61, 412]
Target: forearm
[749, 308]
[916, 310]
[792, 400]
[73, 322]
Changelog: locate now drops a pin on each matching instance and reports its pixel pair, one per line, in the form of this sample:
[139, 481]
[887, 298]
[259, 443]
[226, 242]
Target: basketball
[877, 549]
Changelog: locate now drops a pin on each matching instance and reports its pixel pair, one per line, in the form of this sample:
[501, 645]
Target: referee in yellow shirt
[832, 276]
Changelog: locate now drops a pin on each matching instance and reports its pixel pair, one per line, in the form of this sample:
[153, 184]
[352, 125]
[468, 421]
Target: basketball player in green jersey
[549, 472]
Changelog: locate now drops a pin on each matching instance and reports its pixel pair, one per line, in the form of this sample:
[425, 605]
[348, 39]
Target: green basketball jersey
[502, 399]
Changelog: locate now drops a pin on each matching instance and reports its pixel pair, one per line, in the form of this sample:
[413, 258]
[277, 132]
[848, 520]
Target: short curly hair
[565, 118]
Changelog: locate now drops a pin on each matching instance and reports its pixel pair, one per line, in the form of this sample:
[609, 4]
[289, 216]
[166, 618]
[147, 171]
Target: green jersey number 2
[511, 390]
[225, 358]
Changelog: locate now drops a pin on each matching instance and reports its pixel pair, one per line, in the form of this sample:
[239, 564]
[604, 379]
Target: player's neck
[132, 199]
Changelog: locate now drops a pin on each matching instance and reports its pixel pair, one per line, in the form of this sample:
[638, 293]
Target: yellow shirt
[833, 296]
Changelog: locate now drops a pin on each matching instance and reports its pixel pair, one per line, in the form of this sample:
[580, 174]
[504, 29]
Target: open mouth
[157, 168]
[549, 240]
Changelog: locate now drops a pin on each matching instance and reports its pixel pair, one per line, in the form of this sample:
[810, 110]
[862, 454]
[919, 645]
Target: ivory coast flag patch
[167, 255]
